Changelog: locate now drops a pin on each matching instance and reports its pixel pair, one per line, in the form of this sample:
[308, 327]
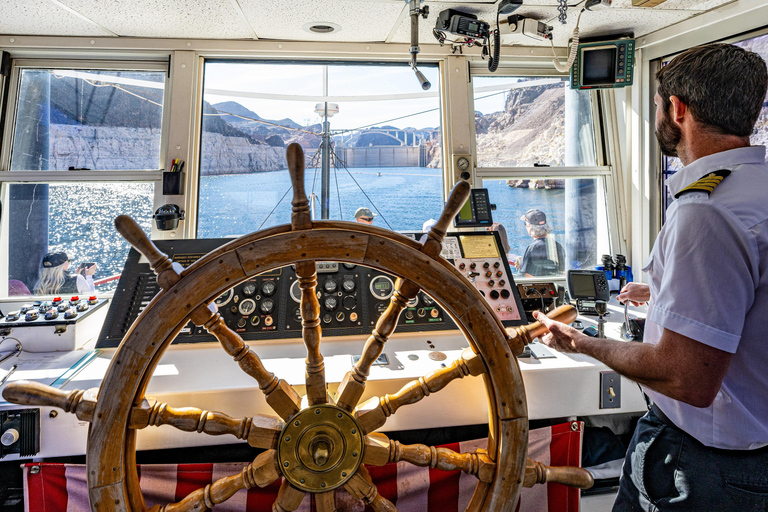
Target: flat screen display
[598, 66]
[583, 286]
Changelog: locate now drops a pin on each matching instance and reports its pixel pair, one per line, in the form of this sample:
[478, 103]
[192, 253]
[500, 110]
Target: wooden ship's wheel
[327, 443]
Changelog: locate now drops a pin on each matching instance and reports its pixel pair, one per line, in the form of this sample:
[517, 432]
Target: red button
[74, 298]
[92, 297]
[56, 299]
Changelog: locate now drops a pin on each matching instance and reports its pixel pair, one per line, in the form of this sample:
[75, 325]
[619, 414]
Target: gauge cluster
[351, 297]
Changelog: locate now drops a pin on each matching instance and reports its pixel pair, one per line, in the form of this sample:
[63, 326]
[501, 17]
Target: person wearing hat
[364, 215]
[545, 256]
[55, 277]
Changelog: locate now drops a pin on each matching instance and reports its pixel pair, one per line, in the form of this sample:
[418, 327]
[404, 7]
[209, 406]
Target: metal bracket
[610, 390]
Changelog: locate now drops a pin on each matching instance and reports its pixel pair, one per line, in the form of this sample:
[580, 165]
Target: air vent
[321, 27]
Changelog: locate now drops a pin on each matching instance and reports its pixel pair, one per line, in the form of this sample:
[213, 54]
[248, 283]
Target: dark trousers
[666, 469]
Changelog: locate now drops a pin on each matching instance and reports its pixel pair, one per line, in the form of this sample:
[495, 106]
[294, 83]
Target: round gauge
[348, 285]
[330, 303]
[382, 287]
[428, 301]
[462, 163]
[295, 291]
[349, 266]
[247, 306]
[268, 288]
[349, 302]
[413, 302]
[267, 306]
[249, 288]
[330, 286]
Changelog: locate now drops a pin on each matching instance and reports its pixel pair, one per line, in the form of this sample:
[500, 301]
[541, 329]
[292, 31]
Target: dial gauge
[268, 288]
[462, 163]
[225, 297]
[249, 288]
[247, 306]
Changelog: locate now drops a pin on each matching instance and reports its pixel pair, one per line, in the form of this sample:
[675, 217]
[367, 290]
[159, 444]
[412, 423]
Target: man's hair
[539, 230]
[723, 85]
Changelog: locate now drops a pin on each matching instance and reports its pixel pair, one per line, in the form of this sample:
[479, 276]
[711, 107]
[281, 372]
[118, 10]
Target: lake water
[82, 214]
[403, 197]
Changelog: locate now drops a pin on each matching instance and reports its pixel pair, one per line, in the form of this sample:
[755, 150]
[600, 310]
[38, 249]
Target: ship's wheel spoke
[306, 273]
[373, 413]
[380, 450]
[260, 431]
[261, 472]
[326, 501]
[361, 486]
[288, 498]
[353, 385]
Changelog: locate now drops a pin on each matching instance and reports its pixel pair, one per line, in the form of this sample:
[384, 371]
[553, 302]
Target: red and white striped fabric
[51, 487]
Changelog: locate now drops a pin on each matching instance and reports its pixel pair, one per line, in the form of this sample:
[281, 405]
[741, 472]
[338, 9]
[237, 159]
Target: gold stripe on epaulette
[706, 183]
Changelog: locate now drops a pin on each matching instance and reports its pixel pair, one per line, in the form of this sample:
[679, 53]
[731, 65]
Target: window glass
[88, 119]
[759, 137]
[526, 122]
[551, 225]
[75, 219]
[384, 131]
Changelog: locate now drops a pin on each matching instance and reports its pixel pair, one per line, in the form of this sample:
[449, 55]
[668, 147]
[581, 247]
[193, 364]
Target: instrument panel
[351, 297]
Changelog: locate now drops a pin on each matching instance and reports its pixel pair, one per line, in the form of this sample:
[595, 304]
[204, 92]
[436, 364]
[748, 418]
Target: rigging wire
[221, 113]
[338, 193]
[275, 208]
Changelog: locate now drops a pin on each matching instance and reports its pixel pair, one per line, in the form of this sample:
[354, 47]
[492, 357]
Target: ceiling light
[321, 27]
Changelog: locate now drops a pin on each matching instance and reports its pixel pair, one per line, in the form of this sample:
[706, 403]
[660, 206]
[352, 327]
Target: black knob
[496, 264]
[486, 265]
[472, 266]
[494, 294]
[505, 294]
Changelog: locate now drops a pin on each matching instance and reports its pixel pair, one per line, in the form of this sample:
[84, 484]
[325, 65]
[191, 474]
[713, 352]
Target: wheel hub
[320, 448]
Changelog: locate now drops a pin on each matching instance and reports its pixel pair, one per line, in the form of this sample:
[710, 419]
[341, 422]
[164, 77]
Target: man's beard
[668, 136]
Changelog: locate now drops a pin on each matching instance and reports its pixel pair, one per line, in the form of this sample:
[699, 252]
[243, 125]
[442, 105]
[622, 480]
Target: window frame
[9, 178]
[604, 172]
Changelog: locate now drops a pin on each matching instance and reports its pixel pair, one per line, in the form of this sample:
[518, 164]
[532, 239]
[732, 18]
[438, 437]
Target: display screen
[382, 285]
[598, 66]
[465, 213]
[583, 285]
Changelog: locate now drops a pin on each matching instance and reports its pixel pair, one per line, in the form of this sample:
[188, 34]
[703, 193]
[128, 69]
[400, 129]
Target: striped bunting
[54, 487]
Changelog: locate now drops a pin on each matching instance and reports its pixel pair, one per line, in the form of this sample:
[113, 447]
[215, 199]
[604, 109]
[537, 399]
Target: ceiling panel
[205, 19]
[691, 5]
[359, 20]
[41, 17]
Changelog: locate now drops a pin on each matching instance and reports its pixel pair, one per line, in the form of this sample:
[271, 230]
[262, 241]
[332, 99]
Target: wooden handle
[538, 473]
[373, 413]
[300, 218]
[131, 231]
[459, 195]
[362, 487]
[477, 463]
[25, 392]
[527, 333]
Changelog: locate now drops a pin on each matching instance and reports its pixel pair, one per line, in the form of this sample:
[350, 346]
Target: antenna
[415, 11]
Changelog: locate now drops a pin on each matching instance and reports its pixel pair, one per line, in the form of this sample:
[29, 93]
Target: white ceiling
[359, 20]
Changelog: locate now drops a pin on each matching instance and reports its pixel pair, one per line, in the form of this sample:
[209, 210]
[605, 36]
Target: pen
[13, 369]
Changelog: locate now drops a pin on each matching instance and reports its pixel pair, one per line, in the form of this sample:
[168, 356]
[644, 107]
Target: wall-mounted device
[167, 217]
[476, 212]
[604, 65]
[587, 287]
[462, 24]
[522, 30]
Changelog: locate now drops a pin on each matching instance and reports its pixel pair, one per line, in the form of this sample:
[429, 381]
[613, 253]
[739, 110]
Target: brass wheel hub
[320, 448]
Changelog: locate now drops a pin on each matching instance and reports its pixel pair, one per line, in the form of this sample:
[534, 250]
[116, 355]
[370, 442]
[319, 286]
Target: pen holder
[172, 183]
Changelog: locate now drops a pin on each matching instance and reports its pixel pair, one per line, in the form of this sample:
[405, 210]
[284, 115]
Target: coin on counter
[437, 356]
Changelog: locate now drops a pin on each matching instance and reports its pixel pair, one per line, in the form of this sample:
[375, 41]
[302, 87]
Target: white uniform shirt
[709, 281]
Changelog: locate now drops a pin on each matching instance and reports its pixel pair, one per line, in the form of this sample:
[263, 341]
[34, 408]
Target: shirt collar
[722, 160]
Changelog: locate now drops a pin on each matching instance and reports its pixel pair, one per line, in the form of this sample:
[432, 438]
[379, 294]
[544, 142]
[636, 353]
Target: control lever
[601, 308]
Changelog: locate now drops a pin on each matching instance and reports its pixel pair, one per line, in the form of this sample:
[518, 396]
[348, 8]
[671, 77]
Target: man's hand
[561, 337]
[636, 293]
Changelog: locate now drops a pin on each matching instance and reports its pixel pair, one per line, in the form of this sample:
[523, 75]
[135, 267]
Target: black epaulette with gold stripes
[706, 183]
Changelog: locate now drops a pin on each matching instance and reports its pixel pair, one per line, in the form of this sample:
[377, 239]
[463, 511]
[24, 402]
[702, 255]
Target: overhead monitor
[603, 65]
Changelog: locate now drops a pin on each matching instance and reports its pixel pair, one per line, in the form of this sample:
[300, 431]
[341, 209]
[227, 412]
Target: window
[759, 137]
[536, 151]
[526, 122]
[102, 128]
[384, 131]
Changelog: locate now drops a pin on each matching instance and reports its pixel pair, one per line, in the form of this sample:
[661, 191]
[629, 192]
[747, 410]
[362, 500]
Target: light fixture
[321, 27]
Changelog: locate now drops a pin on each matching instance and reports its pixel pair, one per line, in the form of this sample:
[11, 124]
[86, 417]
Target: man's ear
[679, 109]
